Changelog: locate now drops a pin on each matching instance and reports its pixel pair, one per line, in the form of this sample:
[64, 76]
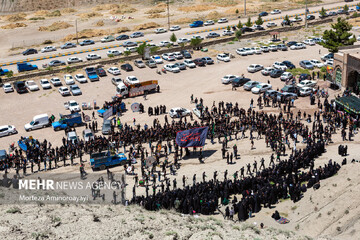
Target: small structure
[275, 36]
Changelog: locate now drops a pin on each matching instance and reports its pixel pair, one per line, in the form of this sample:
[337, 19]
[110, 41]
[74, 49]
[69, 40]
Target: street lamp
[245, 7]
[306, 12]
[168, 13]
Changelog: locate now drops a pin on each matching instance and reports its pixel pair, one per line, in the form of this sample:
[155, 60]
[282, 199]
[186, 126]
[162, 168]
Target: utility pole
[76, 29]
[245, 7]
[168, 13]
[306, 12]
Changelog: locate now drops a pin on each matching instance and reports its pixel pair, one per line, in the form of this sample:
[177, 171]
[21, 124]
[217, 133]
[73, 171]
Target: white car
[223, 57]
[286, 76]
[198, 37]
[72, 105]
[130, 49]
[175, 28]
[48, 49]
[183, 40]
[329, 62]
[164, 44]
[131, 80]
[222, 20]
[74, 60]
[69, 80]
[157, 59]
[114, 70]
[227, 33]
[265, 49]
[228, 79]
[55, 81]
[160, 30]
[168, 56]
[64, 91]
[7, 130]
[358, 38]
[93, 56]
[273, 48]
[306, 83]
[296, 19]
[256, 50]
[209, 22]
[316, 63]
[249, 51]
[279, 65]
[249, 85]
[241, 52]
[298, 46]
[178, 55]
[255, 68]
[179, 112]
[113, 53]
[266, 71]
[261, 87]
[45, 84]
[172, 68]
[8, 88]
[309, 42]
[80, 78]
[275, 11]
[189, 63]
[306, 91]
[271, 24]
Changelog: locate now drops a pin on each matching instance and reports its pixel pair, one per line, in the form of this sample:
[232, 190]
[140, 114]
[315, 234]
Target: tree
[259, 21]
[238, 34]
[239, 25]
[173, 38]
[154, 49]
[237, 11]
[346, 8]
[338, 36]
[141, 49]
[322, 12]
[126, 53]
[195, 42]
[228, 28]
[248, 23]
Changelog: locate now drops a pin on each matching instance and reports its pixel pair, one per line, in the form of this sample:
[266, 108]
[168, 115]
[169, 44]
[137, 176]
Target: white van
[39, 121]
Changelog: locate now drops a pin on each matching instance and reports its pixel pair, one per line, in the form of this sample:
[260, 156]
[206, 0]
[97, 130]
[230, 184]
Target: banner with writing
[192, 138]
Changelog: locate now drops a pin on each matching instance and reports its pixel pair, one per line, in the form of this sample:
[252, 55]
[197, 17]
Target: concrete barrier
[44, 72]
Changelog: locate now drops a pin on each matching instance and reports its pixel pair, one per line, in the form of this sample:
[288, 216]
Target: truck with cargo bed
[69, 120]
[106, 159]
[138, 89]
[92, 74]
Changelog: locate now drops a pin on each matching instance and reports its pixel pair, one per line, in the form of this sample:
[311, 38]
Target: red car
[199, 62]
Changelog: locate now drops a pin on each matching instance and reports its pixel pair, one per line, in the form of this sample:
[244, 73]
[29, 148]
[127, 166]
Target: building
[346, 71]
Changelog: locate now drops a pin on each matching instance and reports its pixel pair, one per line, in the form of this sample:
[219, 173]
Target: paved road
[155, 38]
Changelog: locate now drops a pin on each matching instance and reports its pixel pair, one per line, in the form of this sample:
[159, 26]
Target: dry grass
[222, 3]
[90, 15]
[121, 9]
[146, 26]
[100, 23]
[89, 33]
[68, 10]
[41, 13]
[14, 25]
[183, 20]
[16, 17]
[233, 10]
[55, 13]
[122, 29]
[156, 15]
[55, 26]
[105, 7]
[196, 8]
[214, 15]
[155, 10]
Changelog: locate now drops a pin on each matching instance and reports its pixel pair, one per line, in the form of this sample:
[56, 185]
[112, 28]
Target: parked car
[227, 33]
[256, 50]
[56, 81]
[279, 65]
[45, 84]
[189, 63]
[261, 87]
[223, 57]
[151, 63]
[7, 130]
[122, 37]
[137, 34]
[276, 73]
[68, 45]
[296, 19]
[282, 47]
[178, 55]
[306, 91]
[266, 71]
[88, 135]
[131, 80]
[247, 29]
[183, 40]
[8, 88]
[310, 17]
[258, 27]
[290, 89]
[20, 87]
[212, 35]
[75, 90]
[209, 22]
[127, 67]
[273, 48]
[208, 60]
[327, 56]
[316, 63]
[239, 81]
[168, 56]
[106, 127]
[309, 42]
[116, 80]
[228, 79]
[255, 68]
[291, 43]
[114, 70]
[172, 68]
[222, 20]
[276, 11]
[289, 64]
[271, 24]
[199, 62]
[80, 78]
[69, 80]
[186, 54]
[93, 56]
[249, 85]
[306, 64]
[263, 14]
[31, 85]
[129, 44]
[56, 63]
[304, 76]
[74, 60]
[157, 59]
[175, 28]
[29, 51]
[241, 52]
[113, 52]
[306, 83]
[101, 72]
[64, 91]
[86, 42]
[286, 76]
[160, 30]
[139, 63]
[48, 49]
[298, 46]
[265, 49]
[179, 112]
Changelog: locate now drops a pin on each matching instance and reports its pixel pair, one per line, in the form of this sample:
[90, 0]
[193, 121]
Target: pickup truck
[105, 159]
[71, 120]
[92, 74]
[107, 39]
[197, 24]
[136, 89]
[72, 105]
[3, 71]
[26, 67]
